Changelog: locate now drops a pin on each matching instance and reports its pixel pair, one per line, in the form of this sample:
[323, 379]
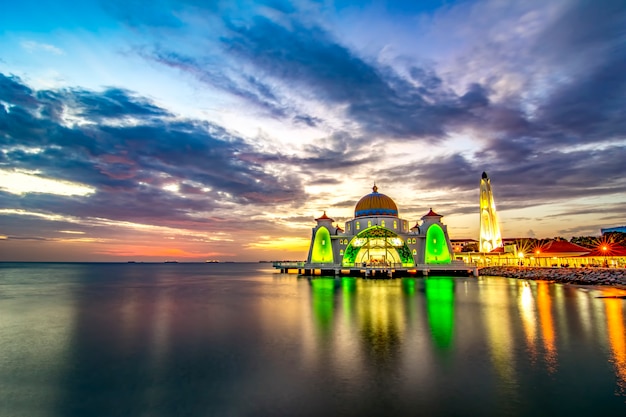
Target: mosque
[378, 242]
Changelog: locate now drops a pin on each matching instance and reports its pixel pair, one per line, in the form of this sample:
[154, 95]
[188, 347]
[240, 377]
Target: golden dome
[375, 204]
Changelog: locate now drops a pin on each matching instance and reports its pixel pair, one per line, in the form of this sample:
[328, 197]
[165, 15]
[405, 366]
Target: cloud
[129, 165]
[32, 46]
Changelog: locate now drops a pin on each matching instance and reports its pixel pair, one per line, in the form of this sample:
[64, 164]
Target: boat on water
[212, 261]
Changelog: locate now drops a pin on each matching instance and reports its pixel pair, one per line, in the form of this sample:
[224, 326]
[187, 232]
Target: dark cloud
[113, 103]
[377, 98]
[129, 165]
[12, 91]
[247, 87]
[587, 45]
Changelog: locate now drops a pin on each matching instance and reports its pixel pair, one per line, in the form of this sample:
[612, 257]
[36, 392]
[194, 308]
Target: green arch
[437, 251]
[351, 252]
[322, 252]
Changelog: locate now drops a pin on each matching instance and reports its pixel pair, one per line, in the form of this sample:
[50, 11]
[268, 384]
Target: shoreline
[579, 276]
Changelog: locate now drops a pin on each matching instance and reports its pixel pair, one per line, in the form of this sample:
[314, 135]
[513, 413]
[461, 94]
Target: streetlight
[604, 249]
[537, 252]
[520, 255]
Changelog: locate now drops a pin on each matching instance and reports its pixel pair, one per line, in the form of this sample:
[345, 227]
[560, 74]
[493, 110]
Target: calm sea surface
[241, 340]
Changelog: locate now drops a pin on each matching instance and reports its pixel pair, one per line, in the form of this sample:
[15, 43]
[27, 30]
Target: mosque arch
[322, 252]
[377, 246]
[437, 251]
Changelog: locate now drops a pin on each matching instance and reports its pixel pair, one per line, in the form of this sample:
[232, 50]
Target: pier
[377, 271]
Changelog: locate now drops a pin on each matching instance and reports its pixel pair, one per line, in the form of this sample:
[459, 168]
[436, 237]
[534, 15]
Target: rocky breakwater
[581, 276]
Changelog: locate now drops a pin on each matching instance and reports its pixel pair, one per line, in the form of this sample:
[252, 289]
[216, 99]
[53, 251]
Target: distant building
[464, 245]
[490, 237]
[621, 229]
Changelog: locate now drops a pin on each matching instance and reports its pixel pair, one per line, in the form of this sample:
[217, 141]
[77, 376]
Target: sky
[200, 130]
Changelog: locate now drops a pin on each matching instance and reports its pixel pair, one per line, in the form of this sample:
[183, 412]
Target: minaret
[490, 237]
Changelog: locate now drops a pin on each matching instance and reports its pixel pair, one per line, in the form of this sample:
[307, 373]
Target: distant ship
[212, 261]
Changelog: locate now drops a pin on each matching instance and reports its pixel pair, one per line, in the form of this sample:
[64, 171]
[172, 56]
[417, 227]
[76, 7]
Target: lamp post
[537, 252]
[604, 249]
[520, 255]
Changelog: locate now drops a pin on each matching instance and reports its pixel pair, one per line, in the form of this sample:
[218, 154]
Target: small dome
[375, 204]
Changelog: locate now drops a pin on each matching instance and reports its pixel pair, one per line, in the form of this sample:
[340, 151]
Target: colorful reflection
[544, 306]
[382, 309]
[323, 290]
[528, 314]
[498, 321]
[379, 317]
[519, 322]
[440, 306]
[617, 338]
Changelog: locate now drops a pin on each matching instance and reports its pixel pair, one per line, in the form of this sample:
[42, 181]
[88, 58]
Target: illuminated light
[322, 251]
[396, 241]
[3, 237]
[490, 237]
[23, 183]
[437, 251]
[358, 242]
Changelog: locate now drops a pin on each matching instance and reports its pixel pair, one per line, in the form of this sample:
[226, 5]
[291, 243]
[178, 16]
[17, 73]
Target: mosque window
[382, 223]
[414, 240]
[341, 252]
[395, 224]
[358, 225]
[414, 252]
[348, 227]
[369, 223]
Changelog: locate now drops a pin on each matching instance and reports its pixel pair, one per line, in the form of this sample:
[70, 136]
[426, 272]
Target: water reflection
[522, 323]
[544, 305]
[528, 314]
[617, 338]
[163, 341]
[440, 306]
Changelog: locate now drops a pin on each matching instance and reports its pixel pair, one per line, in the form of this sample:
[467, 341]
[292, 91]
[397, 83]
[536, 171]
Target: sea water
[243, 340]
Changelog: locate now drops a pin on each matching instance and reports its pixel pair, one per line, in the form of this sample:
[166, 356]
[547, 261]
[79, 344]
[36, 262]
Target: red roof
[324, 217]
[499, 249]
[563, 246]
[431, 213]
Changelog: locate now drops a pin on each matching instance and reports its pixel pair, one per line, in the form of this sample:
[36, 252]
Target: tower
[490, 237]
